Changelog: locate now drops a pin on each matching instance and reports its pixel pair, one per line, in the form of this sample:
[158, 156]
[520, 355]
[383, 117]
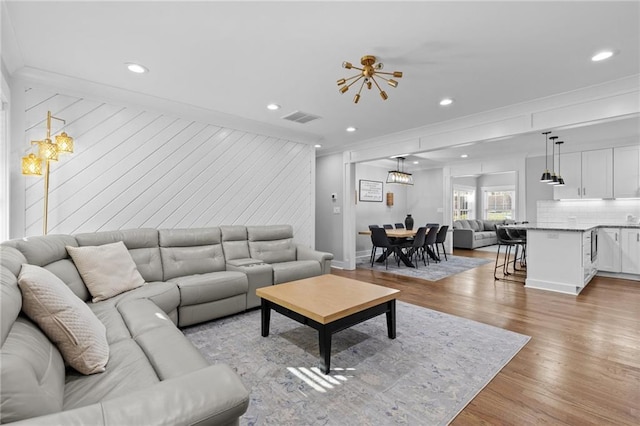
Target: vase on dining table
[408, 222]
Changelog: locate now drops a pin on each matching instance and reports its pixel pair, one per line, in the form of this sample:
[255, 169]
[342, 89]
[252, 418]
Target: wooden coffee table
[329, 304]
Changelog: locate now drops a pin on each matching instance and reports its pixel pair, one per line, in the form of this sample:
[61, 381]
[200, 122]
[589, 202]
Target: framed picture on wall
[370, 190]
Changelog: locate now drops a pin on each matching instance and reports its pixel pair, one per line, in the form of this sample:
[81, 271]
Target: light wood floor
[582, 365]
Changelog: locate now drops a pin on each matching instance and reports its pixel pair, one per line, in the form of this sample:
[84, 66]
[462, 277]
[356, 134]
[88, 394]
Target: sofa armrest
[463, 238]
[211, 396]
[305, 253]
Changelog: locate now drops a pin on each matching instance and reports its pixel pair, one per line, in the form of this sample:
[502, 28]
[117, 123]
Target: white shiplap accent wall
[137, 168]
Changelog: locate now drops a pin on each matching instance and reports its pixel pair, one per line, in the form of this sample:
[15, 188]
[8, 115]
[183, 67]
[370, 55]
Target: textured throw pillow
[65, 319]
[107, 270]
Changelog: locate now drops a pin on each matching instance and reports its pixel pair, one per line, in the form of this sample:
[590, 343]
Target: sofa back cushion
[464, 224]
[190, 251]
[46, 251]
[33, 373]
[490, 225]
[141, 243]
[234, 242]
[272, 243]
[11, 261]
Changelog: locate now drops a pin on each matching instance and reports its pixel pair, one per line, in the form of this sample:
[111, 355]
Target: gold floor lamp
[47, 151]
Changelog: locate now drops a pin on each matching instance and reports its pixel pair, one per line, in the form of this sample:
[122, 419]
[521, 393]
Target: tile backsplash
[587, 211]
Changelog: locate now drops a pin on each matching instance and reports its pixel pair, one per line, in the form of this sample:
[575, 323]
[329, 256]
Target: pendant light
[554, 177]
[560, 180]
[546, 176]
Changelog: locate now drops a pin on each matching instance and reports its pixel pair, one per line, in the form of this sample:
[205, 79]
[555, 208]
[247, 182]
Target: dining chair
[433, 225]
[415, 248]
[429, 243]
[440, 238]
[387, 226]
[399, 225]
[373, 247]
[379, 239]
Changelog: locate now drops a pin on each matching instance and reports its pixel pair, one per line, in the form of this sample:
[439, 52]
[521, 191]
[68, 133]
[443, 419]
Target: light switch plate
[336, 210]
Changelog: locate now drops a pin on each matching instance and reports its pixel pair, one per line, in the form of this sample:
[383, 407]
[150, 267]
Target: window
[498, 203]
[463, 202]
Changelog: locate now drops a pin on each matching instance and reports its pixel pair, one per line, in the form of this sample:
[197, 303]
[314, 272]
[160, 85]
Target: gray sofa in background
[474, 233]
[154, 374]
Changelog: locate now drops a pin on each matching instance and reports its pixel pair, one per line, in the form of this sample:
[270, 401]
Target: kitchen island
[563, 258]
[559, 257]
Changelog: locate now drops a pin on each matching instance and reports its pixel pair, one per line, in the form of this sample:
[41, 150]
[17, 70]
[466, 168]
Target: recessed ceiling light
[351, 129]
[601, 56]
[273, 107]
[317, 145]
[416, 162]
[464, 156]
[446, 101]
[136, 68]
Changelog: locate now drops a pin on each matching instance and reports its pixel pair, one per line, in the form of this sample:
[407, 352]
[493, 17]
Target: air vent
[300, 117]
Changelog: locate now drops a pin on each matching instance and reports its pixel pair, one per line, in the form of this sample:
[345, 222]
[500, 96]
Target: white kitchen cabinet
[626, 172]
[609, 255]
[587, 174]
[630, 250]
[571, 172]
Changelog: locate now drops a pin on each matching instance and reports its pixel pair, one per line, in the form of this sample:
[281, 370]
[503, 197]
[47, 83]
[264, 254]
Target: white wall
[136, 167]
[378, 213]
[329, 224]
[424, 198]
[536, 190]
[5, 162]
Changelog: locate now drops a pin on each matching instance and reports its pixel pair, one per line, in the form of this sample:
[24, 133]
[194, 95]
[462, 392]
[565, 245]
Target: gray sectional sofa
[153, 375]
[474, 233]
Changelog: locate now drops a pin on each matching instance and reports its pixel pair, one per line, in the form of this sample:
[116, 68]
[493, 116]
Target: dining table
[403, 233]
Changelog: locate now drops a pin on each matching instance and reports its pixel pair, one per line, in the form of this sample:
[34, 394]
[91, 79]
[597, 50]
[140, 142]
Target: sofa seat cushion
[163, 294]
[128, 370]
[169, 352]
[296, 270]
[32, 373]
[203, 288]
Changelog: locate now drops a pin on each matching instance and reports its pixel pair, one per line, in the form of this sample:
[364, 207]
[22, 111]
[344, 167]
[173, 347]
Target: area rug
[433, 272]
[437, 364]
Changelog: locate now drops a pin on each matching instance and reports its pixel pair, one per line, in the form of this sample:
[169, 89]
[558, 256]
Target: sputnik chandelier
[367, 74]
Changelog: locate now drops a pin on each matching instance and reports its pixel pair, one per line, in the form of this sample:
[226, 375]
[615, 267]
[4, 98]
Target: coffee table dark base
[325, 331]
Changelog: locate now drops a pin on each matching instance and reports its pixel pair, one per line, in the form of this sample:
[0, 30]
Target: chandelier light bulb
[347, 65]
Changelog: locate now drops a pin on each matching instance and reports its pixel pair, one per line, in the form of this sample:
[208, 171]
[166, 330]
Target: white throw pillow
[107, 270]
[66, 320]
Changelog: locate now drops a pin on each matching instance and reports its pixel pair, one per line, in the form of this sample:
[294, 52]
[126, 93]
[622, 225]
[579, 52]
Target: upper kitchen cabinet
[587, 174]
[626, 172]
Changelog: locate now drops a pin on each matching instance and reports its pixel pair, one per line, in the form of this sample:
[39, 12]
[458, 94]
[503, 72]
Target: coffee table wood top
[327, 298]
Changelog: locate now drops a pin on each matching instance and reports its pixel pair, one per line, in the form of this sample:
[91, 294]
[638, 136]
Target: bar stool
[506, 241]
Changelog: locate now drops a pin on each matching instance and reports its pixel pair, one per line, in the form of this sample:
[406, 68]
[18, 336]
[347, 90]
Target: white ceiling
[236, 57]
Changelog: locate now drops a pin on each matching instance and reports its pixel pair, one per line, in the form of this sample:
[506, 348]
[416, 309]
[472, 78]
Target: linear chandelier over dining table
[399, 175]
